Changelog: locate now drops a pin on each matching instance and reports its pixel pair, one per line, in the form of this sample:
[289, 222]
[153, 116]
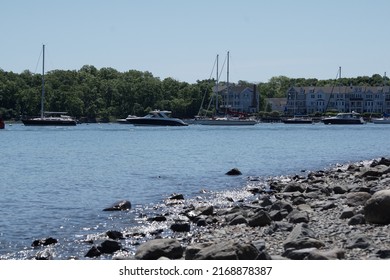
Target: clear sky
[180, 39]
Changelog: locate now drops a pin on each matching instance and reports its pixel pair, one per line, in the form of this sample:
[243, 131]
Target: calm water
[55, 181]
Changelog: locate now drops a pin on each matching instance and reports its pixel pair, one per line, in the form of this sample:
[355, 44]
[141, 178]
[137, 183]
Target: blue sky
[180, 39]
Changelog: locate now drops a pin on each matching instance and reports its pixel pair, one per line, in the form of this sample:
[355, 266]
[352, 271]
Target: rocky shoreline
[340, 213]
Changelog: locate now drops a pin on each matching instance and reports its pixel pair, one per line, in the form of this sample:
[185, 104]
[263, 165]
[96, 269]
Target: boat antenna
[43, 80]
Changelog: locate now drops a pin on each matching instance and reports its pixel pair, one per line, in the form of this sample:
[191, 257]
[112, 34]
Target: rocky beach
[339, 213]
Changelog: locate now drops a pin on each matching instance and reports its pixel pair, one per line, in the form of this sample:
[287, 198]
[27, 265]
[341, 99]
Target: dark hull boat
[48, 118]
[344, 118]
[50, 121]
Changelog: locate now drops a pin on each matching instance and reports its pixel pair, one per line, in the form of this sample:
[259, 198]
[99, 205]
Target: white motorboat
[156, 118]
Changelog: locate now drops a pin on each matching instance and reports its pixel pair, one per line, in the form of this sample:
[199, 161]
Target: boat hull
[32, 122]
[224, 122]
[381, 121]
[298, 121]
[156, 122]
[340, 121]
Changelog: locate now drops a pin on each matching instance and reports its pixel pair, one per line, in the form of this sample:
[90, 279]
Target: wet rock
[93, 253]
[109, 247]
[44, 242]
[176, 197]
[181, 227]
[377, 208]
[44, 255]
[122, 205]
[113, 234]
[233, 172]
[157, 248]
[159, 218]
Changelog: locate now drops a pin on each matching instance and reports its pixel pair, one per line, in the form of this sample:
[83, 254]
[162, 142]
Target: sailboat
[48, 118]
[226, 119]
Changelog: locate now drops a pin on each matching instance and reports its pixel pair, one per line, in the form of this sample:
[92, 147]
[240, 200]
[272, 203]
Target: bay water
[55, 181]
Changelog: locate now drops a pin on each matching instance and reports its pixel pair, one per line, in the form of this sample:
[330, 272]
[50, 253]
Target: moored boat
[48, 118]
[380, 120]
[344, 118]
[298, 120]
[156, 118]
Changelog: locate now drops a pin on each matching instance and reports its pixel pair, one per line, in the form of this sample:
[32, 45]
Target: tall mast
[43, 81]
[216, 88]
[227, 83]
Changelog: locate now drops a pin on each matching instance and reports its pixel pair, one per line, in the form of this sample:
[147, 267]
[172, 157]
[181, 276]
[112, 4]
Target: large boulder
[228, 250]
[157, 248]
[377, 208]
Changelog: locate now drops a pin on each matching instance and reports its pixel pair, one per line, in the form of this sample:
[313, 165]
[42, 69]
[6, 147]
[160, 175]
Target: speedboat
[344, 118]
[156, 118]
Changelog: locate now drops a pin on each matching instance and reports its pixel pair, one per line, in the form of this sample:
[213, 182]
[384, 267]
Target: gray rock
[334, 254]
[302, 243]
[294, 187]
[347, 213]
[357, 241]
[157, 248]
[358, 219]
[297, 216]
[260, 219]
[239, 219]
[357, 198]
[340, 189]
[227, 250]
[377, 208]
[299, 254]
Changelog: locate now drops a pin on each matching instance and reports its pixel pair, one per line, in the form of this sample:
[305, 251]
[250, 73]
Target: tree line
[108, 94]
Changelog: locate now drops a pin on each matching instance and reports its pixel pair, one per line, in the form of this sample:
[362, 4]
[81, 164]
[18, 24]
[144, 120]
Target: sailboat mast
[216, 88]
[43, 81]
[227, 83]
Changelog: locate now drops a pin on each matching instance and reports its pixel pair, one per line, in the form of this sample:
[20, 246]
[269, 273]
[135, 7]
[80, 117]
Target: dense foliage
[108, 94]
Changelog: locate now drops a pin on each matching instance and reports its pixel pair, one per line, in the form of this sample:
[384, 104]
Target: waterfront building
[243, 99]
[361, 99]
